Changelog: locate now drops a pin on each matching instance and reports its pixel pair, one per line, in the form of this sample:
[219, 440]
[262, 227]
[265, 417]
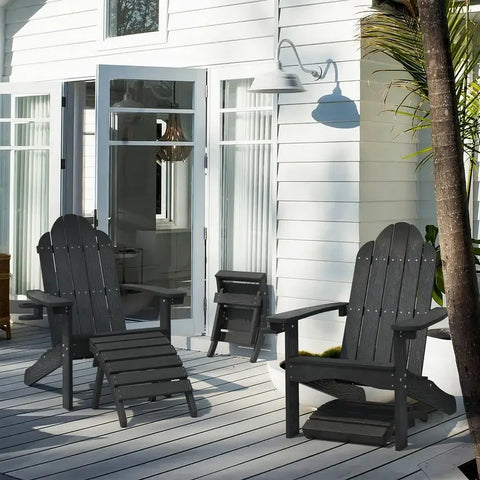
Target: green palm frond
[396, 33]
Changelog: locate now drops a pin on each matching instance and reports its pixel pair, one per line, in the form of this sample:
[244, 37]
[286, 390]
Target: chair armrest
[173, 294]
[49, 301]
[420, 322]
[279, 321]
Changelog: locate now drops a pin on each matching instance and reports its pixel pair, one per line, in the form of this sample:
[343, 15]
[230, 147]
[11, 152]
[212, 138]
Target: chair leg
[257, 347]
[67, 374]
[122, 417]
[292, 410]
[97, 391]
[401, 420]
[192, 406]
[213, 347]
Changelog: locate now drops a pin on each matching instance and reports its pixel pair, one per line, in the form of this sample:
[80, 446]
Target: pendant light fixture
[173, 133]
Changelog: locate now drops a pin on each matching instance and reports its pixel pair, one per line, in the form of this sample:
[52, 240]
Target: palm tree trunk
[461, 287]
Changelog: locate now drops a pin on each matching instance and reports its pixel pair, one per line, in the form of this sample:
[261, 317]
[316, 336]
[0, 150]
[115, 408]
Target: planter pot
[439, 366]
[5, 294]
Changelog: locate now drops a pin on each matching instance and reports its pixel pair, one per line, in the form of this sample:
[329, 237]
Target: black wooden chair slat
[425, 286]
[50, 285]
[396, 276]
[353, 322]
[78, 270]
[78, 264]
[110, 278]
[101, 312]
[374, 298]
[383, 344]
[63, 272]
[150, 375]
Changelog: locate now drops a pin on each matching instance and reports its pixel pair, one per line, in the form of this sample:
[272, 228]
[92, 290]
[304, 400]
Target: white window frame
[214, 146]
[131, 42]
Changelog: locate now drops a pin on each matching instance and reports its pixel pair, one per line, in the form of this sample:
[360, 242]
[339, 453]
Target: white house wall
[338, 181]
[61, 39]
[318, 166]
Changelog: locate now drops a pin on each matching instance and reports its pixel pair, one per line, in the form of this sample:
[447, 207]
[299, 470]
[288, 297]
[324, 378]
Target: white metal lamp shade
[276, 81]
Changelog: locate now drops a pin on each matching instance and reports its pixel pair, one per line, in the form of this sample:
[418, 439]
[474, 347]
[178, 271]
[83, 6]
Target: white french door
[150, 147]
[30, 174]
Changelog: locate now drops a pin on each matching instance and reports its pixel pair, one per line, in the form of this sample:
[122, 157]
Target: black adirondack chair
[383, 346]
[83, 300]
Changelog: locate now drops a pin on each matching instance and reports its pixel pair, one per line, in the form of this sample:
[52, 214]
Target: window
[130, 23]
[127, 17]
[246, 149]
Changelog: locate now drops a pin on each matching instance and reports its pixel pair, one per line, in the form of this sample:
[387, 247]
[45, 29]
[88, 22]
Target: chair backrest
[78, 262]
[393, 280]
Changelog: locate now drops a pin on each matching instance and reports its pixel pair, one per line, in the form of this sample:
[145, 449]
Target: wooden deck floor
[238, 433]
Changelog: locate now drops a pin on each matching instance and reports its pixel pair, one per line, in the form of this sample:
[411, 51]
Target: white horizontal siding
[177, 6]
[203, 33]
[318, 191]
[388, 180]
[318, 164]
[315, 270]
[316, 172]
[316, 250]
[318, 211]
[221, 14]
[319, 291]
[318, 151]
[320, 12]
[325, 231]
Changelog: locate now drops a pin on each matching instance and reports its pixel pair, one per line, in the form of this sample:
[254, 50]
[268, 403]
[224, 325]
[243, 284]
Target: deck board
[238, 434]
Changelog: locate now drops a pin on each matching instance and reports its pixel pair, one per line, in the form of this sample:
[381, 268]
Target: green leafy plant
[431, 236]
[396, 32]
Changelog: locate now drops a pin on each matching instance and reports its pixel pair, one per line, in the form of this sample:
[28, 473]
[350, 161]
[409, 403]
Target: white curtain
[245, 192]
[30, 196]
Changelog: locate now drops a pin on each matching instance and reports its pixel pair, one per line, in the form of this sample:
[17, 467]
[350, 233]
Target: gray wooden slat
[153, 389]
[136, 334]
[50, 285]
[426, 279]
[63, 270]
[373, 301]
[137, 353]
[79, 274]
[130, 343]
[110, 278]
[144, 363]
[101, 313]
[393, 282]
[169, 373]
[238, 299]
[353, 323]
[45, 254]
[409, 289]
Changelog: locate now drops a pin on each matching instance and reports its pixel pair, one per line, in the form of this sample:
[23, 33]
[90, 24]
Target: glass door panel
[30, 138]
[151, 130]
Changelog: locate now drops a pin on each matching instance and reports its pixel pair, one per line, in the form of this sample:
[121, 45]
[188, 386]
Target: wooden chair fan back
[393, 277]
[77, 262]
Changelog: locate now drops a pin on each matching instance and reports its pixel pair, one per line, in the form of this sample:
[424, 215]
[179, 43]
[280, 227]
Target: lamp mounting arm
[316, 74]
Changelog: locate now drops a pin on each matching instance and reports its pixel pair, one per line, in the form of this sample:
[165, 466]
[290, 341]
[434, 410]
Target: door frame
[106, 73]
